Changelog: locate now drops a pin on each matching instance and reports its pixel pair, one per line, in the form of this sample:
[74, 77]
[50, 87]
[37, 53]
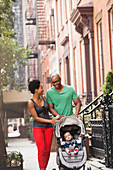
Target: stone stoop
[96, 165]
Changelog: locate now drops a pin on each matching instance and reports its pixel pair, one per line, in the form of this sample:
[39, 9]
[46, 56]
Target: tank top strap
[42, 98]
[32, 100]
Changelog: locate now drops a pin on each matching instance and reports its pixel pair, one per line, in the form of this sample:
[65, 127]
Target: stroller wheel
[57, 160]
[62, 168]
[65, 168]
[89, 168]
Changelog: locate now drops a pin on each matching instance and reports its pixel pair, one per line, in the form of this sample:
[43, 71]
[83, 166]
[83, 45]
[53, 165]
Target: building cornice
[109, 4]
[81, 16]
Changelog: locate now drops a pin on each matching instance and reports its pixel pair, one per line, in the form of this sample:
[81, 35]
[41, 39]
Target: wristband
[58, 116]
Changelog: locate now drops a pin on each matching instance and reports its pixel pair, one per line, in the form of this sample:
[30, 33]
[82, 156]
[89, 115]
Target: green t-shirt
[62, 101]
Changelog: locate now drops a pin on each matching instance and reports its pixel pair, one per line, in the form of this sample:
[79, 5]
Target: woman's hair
[34, 84]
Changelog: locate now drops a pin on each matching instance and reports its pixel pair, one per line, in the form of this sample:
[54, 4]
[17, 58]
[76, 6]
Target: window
[83, 68]
[76, 73]
[57, 15]
[65, 9]
[52, 25]
[60, 68]
[100, 45]
[67, 66]
[61, 12]
[71, 5]
[66, 70]
[111, 34]
[48, 30]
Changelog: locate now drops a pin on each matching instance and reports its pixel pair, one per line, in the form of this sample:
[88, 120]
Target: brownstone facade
[83, 50]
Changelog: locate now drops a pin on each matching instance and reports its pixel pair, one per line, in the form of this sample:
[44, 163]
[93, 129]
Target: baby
[70, 141]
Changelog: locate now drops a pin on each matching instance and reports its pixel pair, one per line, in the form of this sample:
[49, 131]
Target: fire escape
[45, 27]
[30, 16]
[31, 20]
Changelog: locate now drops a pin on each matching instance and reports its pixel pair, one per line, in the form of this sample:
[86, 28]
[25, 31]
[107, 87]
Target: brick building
[103, 26]
[82, 53]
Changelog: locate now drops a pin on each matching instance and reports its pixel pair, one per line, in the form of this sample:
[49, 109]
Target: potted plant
[15, 159]
[108, 84]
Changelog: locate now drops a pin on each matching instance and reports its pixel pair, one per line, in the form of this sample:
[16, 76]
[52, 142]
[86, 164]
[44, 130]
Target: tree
[10, 55]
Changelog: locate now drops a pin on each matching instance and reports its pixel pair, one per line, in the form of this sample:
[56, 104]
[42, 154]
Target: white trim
[77, 73]
[100, 40]
[71, 46]
[83, 66]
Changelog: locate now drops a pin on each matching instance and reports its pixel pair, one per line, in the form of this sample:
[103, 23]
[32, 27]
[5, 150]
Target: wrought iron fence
[93, 108]
[107, 119]
[102, 129]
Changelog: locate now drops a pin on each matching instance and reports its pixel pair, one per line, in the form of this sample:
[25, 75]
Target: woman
[42, 125]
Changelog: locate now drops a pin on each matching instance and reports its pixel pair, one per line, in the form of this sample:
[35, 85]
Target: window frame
[100, 52]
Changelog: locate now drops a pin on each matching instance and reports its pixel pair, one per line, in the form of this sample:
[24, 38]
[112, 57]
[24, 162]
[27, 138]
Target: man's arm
[50, 104]
[53, 111]
[51, 108]
[78, 105]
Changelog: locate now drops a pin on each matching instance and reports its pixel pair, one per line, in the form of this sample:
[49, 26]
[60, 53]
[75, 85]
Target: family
[58, 101]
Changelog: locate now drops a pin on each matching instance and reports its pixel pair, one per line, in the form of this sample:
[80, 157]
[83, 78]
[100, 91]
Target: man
[60, 97]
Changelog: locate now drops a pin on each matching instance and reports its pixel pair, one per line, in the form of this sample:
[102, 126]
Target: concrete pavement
[29, 151]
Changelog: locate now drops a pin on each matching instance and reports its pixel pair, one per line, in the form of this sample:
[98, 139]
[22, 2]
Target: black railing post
[107, 114]
[83, 119]
[21, 162]
[110, 108]
[95, 114]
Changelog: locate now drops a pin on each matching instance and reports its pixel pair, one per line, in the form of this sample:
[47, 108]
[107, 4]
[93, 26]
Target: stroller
[75, 127]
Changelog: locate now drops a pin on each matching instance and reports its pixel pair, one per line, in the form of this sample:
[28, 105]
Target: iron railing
[94, 107]
[102, 129]
[107, 120]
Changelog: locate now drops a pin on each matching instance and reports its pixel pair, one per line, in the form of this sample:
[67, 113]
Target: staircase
[101, 128]
[93, 108]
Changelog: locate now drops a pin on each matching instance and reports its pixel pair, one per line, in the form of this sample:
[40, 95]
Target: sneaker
[69, 152]
[75, 151]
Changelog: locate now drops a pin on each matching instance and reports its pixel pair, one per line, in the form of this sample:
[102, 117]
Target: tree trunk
[2, 141]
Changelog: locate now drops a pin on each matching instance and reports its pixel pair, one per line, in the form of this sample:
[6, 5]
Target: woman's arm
[35, 116]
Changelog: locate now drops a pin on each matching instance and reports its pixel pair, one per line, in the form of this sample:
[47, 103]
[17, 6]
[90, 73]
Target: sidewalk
[29, 151]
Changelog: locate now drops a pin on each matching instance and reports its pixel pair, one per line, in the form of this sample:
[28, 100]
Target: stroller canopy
[69, 120]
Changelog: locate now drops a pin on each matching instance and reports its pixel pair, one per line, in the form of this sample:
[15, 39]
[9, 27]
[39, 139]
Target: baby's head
[67, 136]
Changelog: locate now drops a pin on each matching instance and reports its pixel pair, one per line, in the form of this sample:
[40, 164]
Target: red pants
[43, 138]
